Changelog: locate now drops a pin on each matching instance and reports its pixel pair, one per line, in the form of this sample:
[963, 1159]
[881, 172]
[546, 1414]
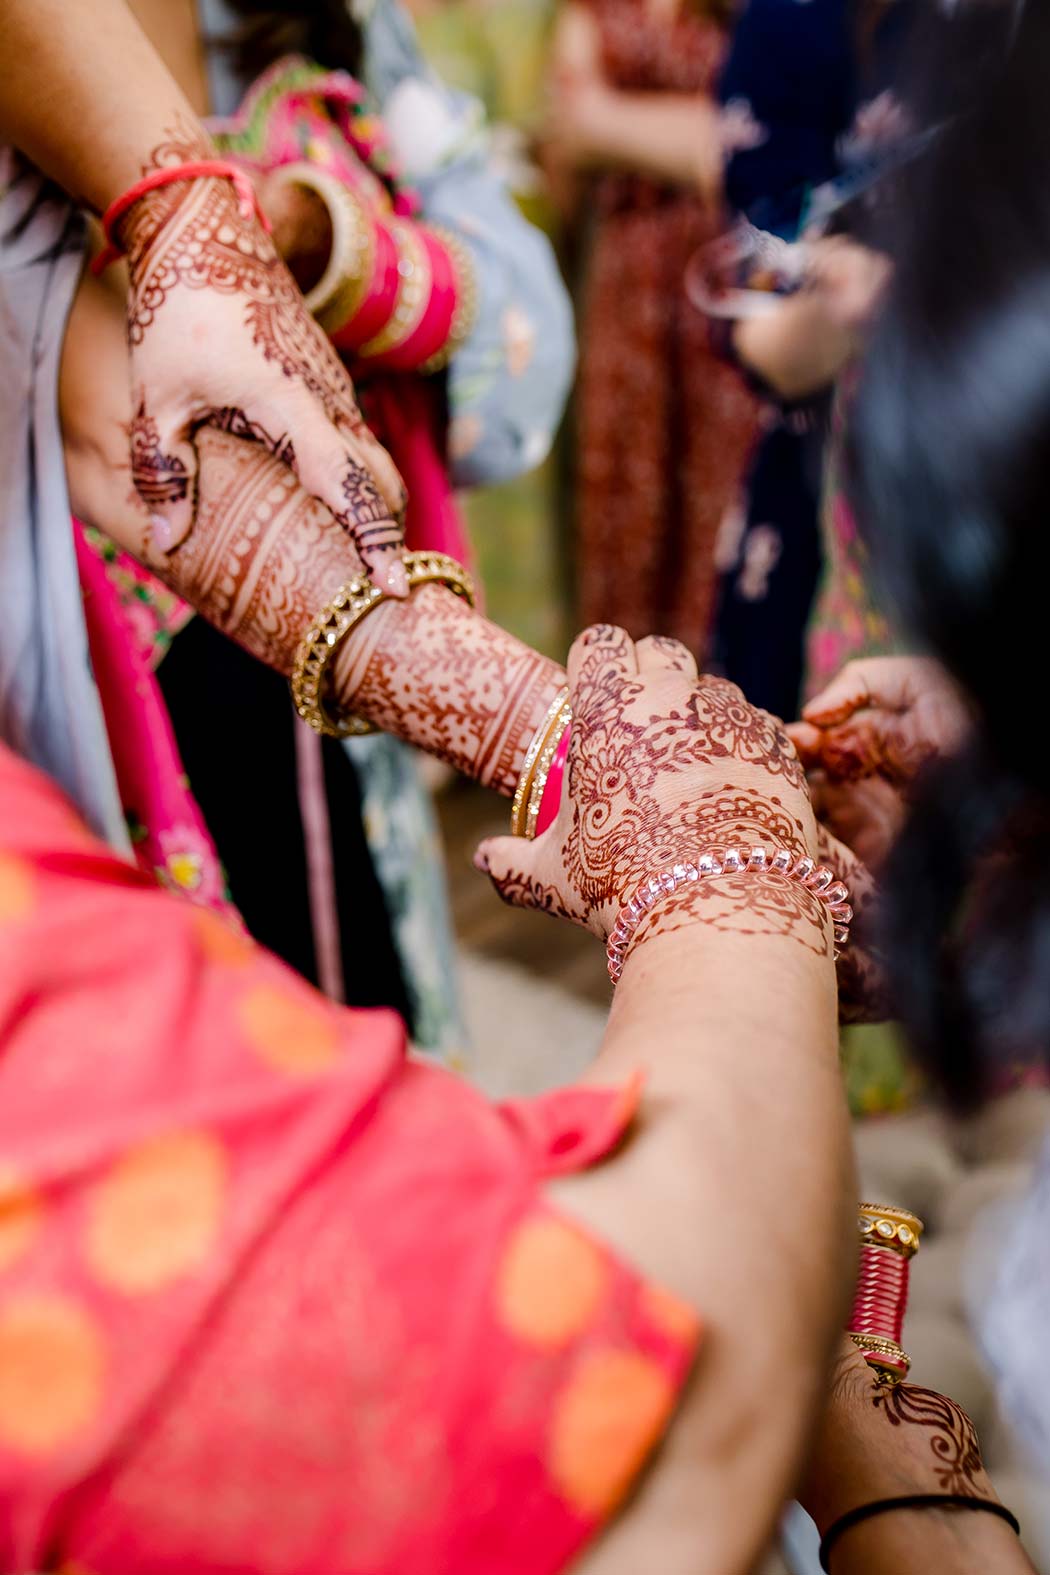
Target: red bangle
[889, 1240]
[202, 169]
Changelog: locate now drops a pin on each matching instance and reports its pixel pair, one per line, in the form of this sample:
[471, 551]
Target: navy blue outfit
[792, 64]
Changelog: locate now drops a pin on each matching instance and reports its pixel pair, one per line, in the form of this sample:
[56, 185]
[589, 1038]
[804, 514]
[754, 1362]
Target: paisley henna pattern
[953, 1438]
[739, 731]
[264, 557]
[160, 479]
[643, 794]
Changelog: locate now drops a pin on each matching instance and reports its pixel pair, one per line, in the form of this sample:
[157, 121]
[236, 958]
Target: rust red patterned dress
[665, 426]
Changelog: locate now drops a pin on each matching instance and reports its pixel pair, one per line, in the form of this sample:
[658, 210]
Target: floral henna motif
[436, 673]
[735, 730]
[622, 780]
[953, 1437]
[160, 479]
[191, 237]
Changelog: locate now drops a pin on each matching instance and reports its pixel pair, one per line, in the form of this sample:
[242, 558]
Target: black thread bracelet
[912, 1501]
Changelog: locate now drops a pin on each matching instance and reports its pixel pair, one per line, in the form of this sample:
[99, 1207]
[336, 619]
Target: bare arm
[83, 93]
[670, 136]
[737, 1191]
[875, 1444]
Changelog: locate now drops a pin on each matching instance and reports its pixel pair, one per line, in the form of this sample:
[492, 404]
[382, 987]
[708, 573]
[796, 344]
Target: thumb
[808, 741]
[511, 863]
[164, 474]
[849, 691]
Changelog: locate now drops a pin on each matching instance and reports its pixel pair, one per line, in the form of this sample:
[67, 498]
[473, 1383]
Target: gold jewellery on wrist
[536, 766]
[352, 603]
[338, 294]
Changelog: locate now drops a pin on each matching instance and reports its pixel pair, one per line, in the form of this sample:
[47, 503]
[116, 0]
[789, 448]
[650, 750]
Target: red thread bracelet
[202, 169]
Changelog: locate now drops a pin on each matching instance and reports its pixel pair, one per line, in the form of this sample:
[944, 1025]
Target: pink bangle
[889, 1240]
[380, 297]
[817, 878]
[200, 169]
[551, 797]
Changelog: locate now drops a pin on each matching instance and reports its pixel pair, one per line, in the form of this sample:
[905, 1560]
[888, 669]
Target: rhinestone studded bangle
[350, 604]
[817, 878]
[556, 719]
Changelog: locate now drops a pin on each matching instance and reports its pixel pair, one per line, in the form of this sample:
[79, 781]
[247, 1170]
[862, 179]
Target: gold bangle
[350, 604]
[549, 725]
[897, 1364]
[542, 770]
[338, 294]
[466, 313]
[896, 1229]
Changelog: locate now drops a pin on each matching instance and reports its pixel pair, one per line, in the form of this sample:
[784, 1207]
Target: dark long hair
[324, 30]
[949, 471]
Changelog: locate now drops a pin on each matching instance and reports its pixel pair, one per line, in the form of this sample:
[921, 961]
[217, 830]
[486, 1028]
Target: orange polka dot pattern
[20, 1218]
[250, 1253]
[551, 1282]
[52, 1366]
[156, 1215]
[289, 1034]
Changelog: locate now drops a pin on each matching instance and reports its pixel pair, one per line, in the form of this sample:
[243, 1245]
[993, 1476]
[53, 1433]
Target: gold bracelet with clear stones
[548, 729]
[351, 603]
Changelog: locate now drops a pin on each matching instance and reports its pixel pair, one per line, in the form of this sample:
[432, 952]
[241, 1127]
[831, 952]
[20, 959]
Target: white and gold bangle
[338, 294]
[546, 736]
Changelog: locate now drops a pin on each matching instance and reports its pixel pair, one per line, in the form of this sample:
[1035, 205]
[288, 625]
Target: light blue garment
[50, 710]
[508, 383]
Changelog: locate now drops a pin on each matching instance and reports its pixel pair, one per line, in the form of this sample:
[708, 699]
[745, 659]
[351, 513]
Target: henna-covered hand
[218, 334]
[882, 716]
[881, 1442]
[661, 764]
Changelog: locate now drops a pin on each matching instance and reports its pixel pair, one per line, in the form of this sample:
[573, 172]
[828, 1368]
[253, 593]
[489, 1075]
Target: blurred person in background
[663, 427]
[809, 93]
[946, 471]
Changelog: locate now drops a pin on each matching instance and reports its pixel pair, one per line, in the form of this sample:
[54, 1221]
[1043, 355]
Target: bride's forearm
[265, 558]
[445, 678]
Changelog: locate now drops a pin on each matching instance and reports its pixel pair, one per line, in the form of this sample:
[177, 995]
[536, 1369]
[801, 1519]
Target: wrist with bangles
[350, 605]
[115, 216]
[395, 293]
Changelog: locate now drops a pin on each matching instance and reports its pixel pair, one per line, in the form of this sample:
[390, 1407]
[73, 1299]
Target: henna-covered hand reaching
[881, 716]
[663, 763]
[219, 336]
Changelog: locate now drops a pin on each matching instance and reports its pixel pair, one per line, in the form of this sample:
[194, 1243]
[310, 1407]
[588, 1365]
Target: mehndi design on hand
[216, 324]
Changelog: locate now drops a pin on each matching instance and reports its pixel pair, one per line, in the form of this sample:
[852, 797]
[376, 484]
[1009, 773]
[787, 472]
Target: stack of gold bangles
[537, 764]
[350, 604]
